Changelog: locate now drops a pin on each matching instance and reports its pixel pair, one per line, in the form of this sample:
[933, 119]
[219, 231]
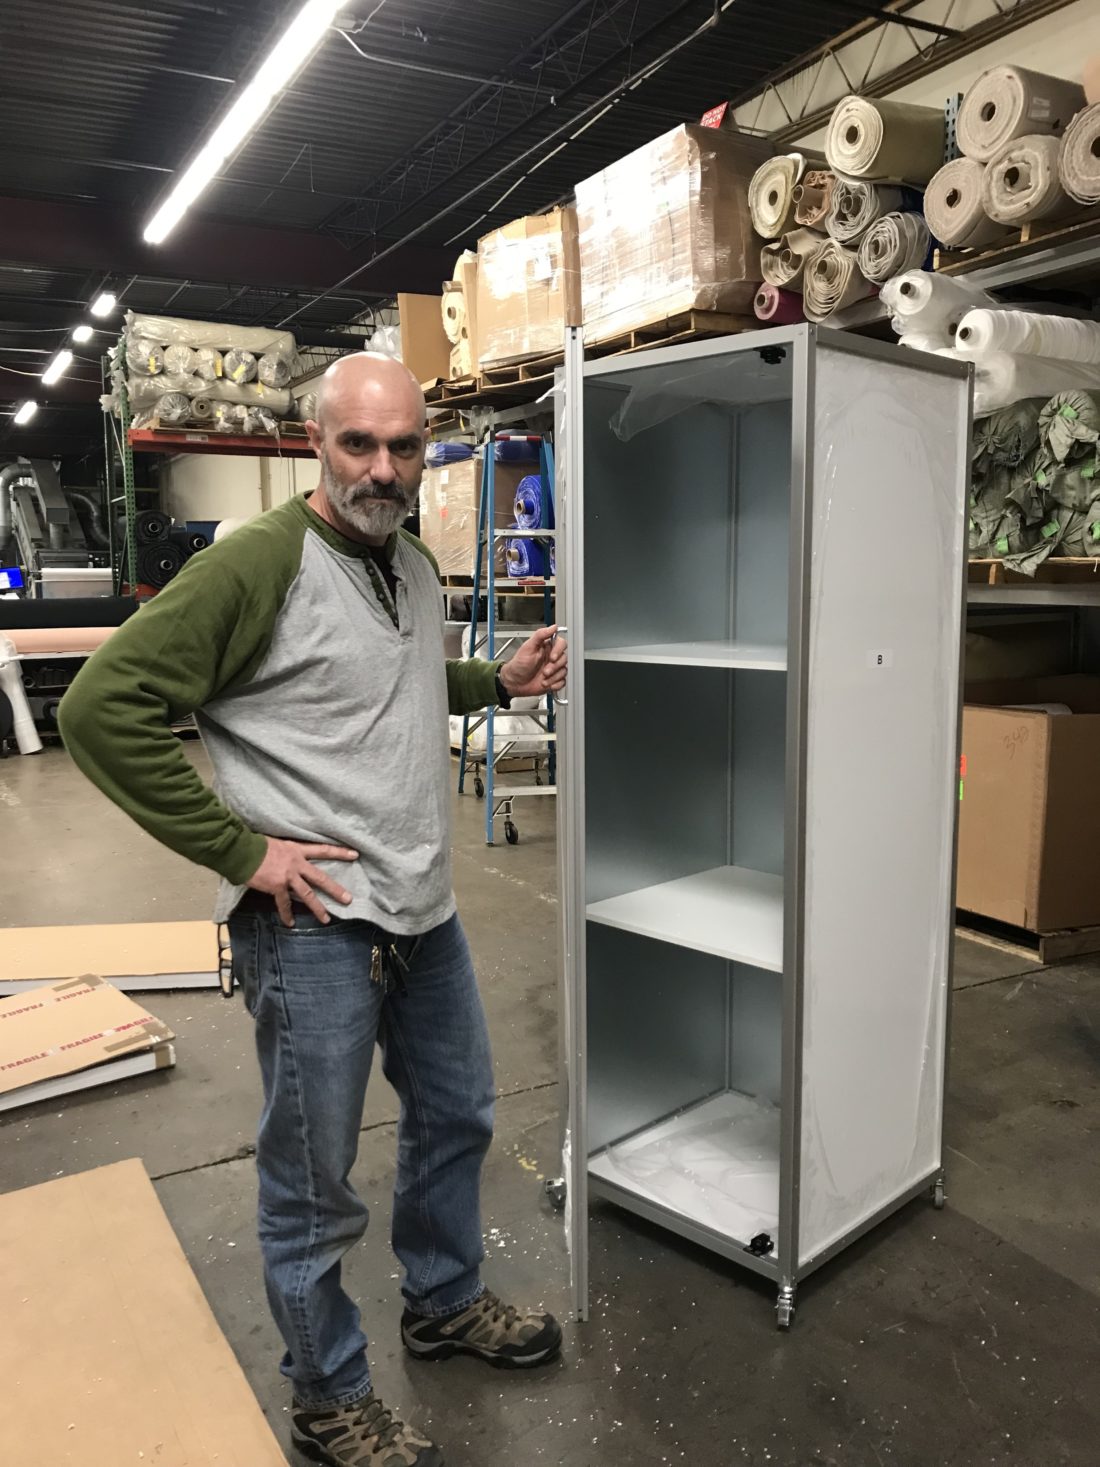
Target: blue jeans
[318, 1016]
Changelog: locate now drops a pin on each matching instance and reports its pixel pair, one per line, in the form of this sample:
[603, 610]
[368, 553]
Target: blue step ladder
[495, 640]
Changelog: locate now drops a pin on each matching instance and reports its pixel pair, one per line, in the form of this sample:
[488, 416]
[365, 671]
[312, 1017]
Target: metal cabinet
[762, 563]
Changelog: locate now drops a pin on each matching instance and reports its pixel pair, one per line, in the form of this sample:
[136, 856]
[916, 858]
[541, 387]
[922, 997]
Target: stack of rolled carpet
[1031, 150]
[838, 232]
[231, 378]
[1035, 483]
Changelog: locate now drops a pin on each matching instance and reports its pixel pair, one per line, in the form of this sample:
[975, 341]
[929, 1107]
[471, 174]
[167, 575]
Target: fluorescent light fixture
[287, 57]
[26, 412]
[58, 366]
[83, 333]
[103, 304]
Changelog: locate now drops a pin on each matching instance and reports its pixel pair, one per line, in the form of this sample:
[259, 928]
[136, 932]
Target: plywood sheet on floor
[109, 1352]
[135, 956]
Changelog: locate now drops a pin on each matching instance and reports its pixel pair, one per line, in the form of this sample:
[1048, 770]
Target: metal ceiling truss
[907, 40]
[546, 76]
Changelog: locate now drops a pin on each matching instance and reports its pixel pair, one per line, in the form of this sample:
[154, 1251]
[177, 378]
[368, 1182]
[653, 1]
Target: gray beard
[376, 520]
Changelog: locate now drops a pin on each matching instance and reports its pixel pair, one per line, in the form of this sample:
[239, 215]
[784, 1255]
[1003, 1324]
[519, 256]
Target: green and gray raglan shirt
[321, 698]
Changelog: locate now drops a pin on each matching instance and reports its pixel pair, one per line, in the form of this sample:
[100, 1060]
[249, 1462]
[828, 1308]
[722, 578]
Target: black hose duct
[90, 513]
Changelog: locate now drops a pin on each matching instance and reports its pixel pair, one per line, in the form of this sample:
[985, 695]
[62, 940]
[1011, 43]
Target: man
[309, 646]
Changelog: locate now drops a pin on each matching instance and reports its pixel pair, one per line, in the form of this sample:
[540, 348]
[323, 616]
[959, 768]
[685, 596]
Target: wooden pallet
[1043, 947]
[1030, 238]
[1065, 570]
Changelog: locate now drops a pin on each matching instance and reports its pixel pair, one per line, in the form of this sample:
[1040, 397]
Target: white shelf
[524, 790]
[729, 911]
[716, 1164]
[698, 654]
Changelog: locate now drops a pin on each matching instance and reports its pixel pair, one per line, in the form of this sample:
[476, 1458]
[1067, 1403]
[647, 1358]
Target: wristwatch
[503, 697]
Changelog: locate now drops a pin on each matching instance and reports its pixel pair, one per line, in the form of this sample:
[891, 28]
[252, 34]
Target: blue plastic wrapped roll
[553, 560]
[515, 451]
[532, 504]
[439, 454]
[525, 558]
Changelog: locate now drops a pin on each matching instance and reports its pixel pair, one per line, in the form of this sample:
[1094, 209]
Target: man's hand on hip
[540, 666]
[287, 874]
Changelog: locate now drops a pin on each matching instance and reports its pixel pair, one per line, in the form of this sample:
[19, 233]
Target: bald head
[370, 436]
[369, 379]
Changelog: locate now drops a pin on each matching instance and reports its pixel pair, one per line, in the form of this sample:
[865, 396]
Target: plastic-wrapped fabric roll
[1069, 422]
[868, 137]
[953, 206]
[453, 308]
[893, 244]
[157, 564]
[1027, 331]
[240, 366]
[209, 363]
[856, 205]
[530, 504]
[144, 358]
[229, 417]
[921, 301]
[783, 262]
[778, 307]
[1002, 377]
[771, 194]
[202, 409]
[273, 370]
[813, 197]
[258, 420]
[515, 451]
[438, 455]
[170, 330]
[525, 558]
[924, 340]
[306, 407]
[1079, 157]
[833, 280]
[179, 361]
[146, 391]
[1022, 182]
[174, 408]
[1008, 102]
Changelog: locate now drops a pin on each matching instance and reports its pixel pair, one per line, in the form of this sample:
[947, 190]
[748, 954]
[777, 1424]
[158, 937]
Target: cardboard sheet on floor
[72, 1035]
[110, 1354]
[137, 957]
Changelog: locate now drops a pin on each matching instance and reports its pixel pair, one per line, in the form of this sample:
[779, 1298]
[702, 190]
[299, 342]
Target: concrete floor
[962, 1337]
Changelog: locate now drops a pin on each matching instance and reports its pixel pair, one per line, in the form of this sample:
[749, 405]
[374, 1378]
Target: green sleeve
[471, 681]
[210, 628]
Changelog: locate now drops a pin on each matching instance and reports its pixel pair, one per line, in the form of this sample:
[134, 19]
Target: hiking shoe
[490, 1330]
[363, 1434]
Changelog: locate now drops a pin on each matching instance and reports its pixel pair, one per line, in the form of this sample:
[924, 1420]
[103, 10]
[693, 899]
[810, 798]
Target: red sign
[715, 116]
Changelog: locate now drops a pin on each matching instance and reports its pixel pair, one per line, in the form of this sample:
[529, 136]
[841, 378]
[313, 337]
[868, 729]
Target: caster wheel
[479, 789]
[784, 1314]
[511, 834]
[939, 1197]
[556, 1192]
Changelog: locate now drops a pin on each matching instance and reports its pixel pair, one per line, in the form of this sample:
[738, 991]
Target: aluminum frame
[784, 1266]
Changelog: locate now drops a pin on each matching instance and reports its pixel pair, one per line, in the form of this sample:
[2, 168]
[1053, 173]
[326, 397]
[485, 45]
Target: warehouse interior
[783, 910]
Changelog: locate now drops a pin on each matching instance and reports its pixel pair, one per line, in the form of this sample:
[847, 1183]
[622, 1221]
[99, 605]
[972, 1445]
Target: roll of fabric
[531, 504]
[525, 558]
[783, 262]
[453, 307]
[440, 454]
[516, 451]
[813, 196]
[202, 409]
[306, 407]
[856, 205]
[778, 307]
[209, 363]
[833, 280]
[150, 526]
[273, 369]
[1002, 377]
[1079, 157]
[196, 542]
[1008, 102]
[174, 408]
[893, 244]
[144, 358]
[924, 340]
[240, 366]
[771, 194]
[1022, 182]
[179, 361]
[953, 206]
[229, 417]
[1090, 79]
[868, 137]
[934, 304]
[1070, 422]
[1027, 331]
[157, 564]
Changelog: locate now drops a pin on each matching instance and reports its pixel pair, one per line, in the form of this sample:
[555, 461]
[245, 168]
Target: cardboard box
[1029, 823]
[135, 957]
[667, 229]
[528, 287]
[449, 502]
[425, 349]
